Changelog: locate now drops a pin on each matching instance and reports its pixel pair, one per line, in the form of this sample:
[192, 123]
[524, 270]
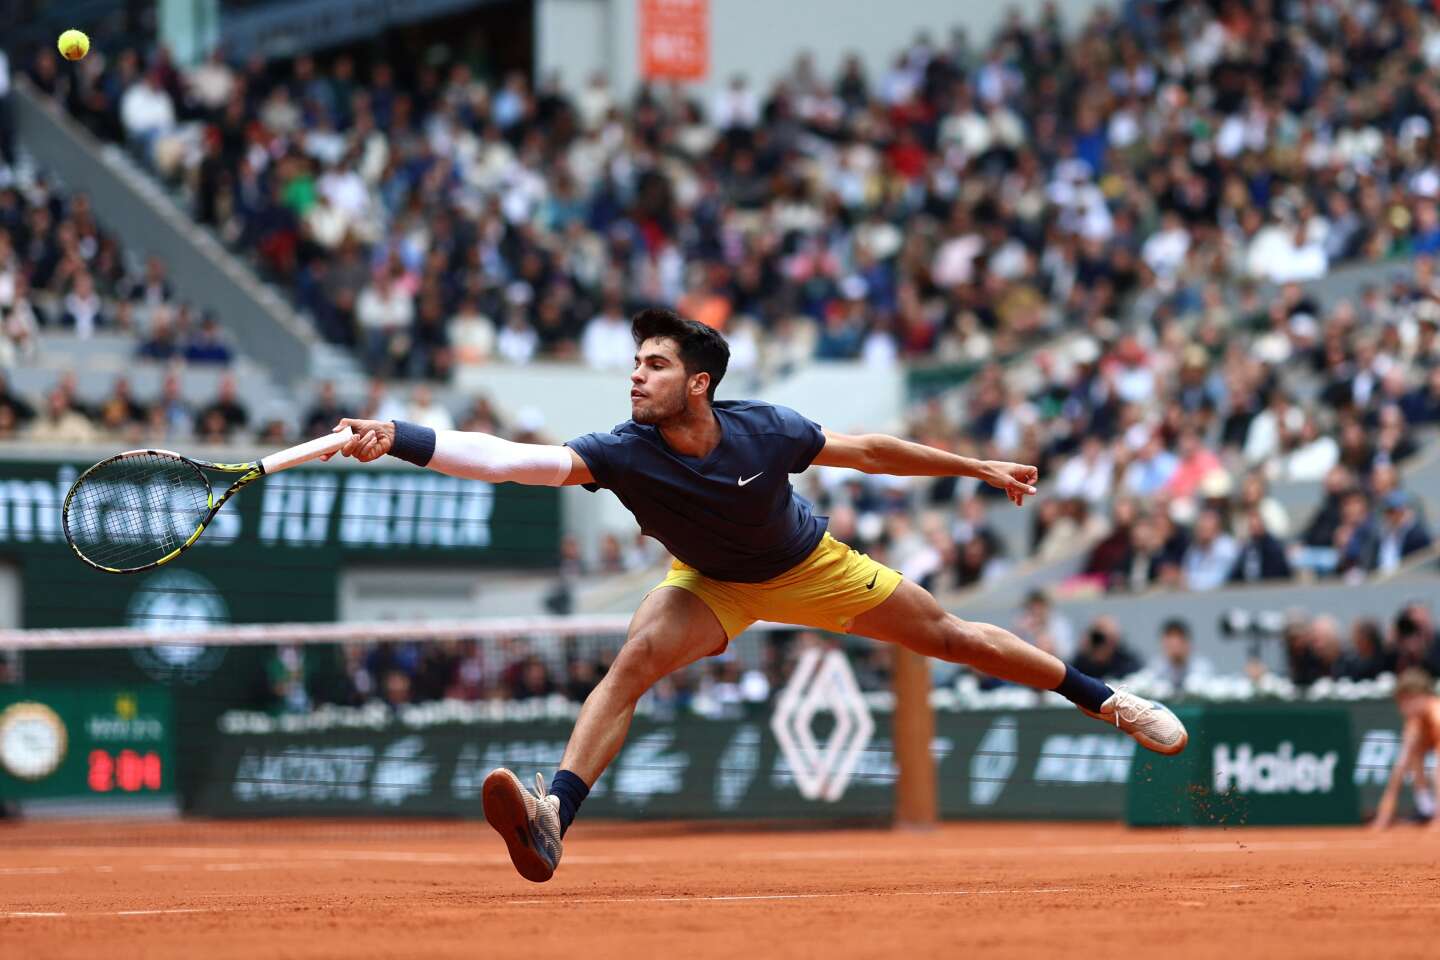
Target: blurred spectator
[84, 312]
[1177, 663]
[531, 680]
[218, 421]
[437, 672]
[1310, 454]
[385, 312]
[61, 423]
[1326, 645]
[1416, 641]
[472, 333]
[1104, 653]
[153, 288]
[1088, 475]
[1261, 555]
[1367, 657]
[425, 410]
[9, 426]
[1155, 556]
[19, 411]
[1150, 470]
[1211, 555]
[1110, 554]
[171, 414]
[1381, 546]
[582, 675]
[395, 688]
[1196, 463]
[1304, 666]
[1040, 624]
[285, 670]
[120, 410]
[19, 325]
[208, 344]
[160, 341]
[606, 343]
[147, 113]
[324, 413]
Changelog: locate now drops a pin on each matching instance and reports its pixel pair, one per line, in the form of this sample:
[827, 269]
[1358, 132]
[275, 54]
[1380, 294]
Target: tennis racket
[142, 508]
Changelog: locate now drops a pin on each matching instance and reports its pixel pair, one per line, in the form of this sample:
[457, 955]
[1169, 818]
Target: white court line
[302, 857]
[562, 900]
[753, 897]
[29, 914]
[892, 853]
[286, 855]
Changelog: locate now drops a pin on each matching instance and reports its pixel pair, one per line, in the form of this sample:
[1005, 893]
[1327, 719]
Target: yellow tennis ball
[74, 45]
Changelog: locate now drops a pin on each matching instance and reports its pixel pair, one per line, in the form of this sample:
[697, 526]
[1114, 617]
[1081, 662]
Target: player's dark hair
[701, 348]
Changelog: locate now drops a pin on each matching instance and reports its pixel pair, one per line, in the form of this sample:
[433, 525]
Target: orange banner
[674, 39]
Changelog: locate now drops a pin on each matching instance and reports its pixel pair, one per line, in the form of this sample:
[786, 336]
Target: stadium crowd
[1123, 200]
[965, 201]
[1160, 451]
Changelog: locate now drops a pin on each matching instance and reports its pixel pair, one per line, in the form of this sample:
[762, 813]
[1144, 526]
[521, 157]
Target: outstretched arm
[477, 456]
[880, 453]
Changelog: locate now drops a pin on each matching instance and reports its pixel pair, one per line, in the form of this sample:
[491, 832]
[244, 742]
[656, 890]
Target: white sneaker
[1152, 725]
[529, 823]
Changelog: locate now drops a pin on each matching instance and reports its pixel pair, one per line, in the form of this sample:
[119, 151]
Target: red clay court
[329, 889]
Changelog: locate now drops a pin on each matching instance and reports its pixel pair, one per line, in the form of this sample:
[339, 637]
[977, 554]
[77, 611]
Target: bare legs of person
[912, 618]
[673, 628]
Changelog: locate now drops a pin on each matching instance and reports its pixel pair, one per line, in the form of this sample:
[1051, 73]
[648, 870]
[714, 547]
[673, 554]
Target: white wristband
[480, 456]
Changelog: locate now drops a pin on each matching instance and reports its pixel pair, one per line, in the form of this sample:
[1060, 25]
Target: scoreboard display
[62, 746]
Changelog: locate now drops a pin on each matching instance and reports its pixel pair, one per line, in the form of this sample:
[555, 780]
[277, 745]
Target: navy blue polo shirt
[732, 515]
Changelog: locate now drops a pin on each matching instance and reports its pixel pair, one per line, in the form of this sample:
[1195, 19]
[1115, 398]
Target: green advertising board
[1263, 764]
[85, 747]
[1022, 764]
[275, 553]
[1012, 765]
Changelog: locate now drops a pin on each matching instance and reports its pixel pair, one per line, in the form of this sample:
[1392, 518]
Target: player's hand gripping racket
[142, 508]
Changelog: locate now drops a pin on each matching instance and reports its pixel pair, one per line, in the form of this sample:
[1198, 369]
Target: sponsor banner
[59, 744]
[674, 39]
[1279, 764]
[1027, 764]
[1036, 764]
[300, 523]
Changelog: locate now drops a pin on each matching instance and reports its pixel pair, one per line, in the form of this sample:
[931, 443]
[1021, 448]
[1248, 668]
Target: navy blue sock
[1085, 692]
[572, 792]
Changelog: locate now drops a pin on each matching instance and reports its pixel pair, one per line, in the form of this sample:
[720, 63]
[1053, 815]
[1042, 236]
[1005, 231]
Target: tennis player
[1420, 708]
[711, 481]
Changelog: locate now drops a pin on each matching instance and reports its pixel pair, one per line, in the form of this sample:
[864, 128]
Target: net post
[916, 795]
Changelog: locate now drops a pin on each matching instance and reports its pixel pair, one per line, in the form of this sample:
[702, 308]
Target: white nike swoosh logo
[743, 482]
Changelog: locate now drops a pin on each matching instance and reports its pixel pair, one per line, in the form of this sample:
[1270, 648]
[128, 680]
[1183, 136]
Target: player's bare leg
[912, 618]
[671, 629]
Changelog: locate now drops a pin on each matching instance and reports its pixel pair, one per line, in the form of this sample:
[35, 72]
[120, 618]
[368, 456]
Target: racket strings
[135, 510]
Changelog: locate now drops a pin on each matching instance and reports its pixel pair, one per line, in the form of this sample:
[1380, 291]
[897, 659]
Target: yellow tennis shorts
[827, 590]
